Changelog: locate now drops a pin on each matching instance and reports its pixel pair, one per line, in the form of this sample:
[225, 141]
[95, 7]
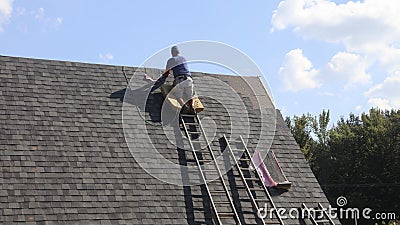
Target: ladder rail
[201, 172]
[326, 214]
[216, 166]
[262, 183]
[309, 215]
[243, 178]
[314, 220]
[219, 171]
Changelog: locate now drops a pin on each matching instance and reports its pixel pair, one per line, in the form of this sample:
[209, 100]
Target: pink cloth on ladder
[262, 170]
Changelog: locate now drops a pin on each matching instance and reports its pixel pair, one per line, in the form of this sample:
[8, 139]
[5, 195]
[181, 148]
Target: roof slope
[65, 160]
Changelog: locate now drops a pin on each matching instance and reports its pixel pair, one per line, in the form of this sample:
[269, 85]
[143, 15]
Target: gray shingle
[64, 159]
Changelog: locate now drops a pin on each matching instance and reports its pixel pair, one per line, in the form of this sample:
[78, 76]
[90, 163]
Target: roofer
[183, 81]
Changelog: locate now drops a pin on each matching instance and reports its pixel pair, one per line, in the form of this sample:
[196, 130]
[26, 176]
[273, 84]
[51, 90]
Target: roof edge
[90, 64]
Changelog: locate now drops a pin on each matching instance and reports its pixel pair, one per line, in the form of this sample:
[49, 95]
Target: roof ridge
[91, 64]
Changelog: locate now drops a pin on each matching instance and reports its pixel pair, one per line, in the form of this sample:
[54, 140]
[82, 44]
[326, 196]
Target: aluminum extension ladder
[242, 158]
[220, 200]
[317, 216]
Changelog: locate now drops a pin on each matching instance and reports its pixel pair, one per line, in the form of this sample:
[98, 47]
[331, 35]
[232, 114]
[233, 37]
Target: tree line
[357, 157]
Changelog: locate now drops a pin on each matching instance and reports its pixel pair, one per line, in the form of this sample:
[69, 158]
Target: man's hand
[147, 77]
[166, 73]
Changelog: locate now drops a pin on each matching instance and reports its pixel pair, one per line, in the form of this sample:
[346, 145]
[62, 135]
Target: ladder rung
[221, 202]
[205, 160]
[272, 222]
[245, 168]
[217, 191]
[261, 199]
[194, 132]
[191, 124]
[225, 214]
[188, 115]
[242, 159]
[200, 160]
[322, 221]
[252, 179]
[209, 180]
[201, 150]
[256, 189]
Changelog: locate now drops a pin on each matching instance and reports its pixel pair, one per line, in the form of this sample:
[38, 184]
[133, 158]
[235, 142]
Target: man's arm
[160, 81]
[169, 66]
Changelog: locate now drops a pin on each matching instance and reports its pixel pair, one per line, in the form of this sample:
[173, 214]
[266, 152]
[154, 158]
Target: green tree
[322, 161]
[312, 135]
[301, 128]
[358, 157]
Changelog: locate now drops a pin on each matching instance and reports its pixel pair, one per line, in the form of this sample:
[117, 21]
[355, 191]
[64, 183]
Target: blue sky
[315, 54]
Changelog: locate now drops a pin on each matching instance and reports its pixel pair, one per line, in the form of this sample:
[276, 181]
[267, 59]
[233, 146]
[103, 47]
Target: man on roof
[183, 81]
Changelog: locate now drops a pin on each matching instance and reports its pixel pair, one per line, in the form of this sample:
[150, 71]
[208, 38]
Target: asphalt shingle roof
[65, 159]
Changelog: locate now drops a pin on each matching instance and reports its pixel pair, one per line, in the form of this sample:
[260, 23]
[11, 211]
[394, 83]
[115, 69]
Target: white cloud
[370, 33]
[370, 27]
[46, 21]
[349, 67]
[58, 21]
[106, 57]
[297, 72]
[5, 12]
[358, 108]
[39, 14]
[354, 23]
[385, 95]
[381, 103]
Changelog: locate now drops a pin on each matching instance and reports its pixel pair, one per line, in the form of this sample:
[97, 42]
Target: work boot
[187, 110]
[184, 110]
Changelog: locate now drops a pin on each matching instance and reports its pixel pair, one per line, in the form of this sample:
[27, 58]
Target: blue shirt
[178, 66]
